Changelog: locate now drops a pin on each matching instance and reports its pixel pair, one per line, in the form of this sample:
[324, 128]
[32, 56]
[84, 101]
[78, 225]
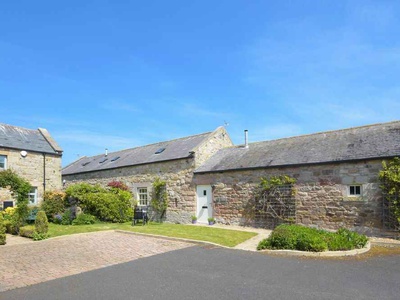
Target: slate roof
[19, 138]
[174, 149]
[358, 143]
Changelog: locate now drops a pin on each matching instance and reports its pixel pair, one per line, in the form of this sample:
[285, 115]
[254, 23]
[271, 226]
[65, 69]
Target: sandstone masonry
[177, 173]
[321, 194]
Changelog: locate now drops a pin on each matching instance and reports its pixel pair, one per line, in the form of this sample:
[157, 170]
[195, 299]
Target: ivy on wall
[159, 198]
[20, 189]
[273, 202]
[389, 177]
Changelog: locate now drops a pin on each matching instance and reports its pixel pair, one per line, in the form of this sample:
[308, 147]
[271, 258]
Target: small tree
[159, 198]
[2, 231]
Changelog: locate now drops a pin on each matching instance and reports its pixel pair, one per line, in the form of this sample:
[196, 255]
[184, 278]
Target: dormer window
[160, 150]
[3, 162]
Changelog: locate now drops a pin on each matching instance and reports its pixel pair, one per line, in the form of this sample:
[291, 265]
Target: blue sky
[120, 74]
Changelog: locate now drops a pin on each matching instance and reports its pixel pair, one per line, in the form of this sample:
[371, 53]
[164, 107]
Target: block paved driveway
[27, 264]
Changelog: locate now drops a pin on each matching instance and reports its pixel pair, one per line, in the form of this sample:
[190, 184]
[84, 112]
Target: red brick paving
[27, 264]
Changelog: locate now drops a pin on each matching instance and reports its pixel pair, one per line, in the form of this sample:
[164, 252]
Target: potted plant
[194, 219]
[211, 221]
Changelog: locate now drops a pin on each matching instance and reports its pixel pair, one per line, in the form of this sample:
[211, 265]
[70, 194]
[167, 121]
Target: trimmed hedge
[27, 231]
[297, 237]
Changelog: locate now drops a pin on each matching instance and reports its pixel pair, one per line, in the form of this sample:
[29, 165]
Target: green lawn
[219, 236]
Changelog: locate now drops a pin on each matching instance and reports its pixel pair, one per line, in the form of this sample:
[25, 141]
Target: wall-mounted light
[64, 182]
[23, 153]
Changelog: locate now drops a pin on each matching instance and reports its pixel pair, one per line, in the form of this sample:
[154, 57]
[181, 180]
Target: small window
[85, 163]
[160, 150]
[103, 160]
[3, 162]
[143, 196]
[355, 190]
[32, 196]
[115, 158]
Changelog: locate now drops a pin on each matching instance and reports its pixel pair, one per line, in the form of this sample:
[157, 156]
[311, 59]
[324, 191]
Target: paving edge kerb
[281, 252]
[320, 254]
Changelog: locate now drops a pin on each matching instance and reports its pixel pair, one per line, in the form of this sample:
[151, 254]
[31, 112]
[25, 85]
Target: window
[3, 162]
[103, 160]
[32, 196]
[143, 196]
[354, 190]
[115, 158]
[160, 150]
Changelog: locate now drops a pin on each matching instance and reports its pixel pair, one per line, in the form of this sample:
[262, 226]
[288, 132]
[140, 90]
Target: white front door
[204, 208]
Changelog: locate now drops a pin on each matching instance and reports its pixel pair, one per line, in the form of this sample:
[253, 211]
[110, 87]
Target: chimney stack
[246, 139]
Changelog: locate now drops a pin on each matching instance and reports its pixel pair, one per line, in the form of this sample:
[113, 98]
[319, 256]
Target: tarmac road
[205, 272]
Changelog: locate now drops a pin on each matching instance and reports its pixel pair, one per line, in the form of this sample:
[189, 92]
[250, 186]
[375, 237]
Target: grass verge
[224, 237]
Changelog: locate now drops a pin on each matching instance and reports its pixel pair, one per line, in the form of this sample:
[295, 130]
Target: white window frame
[354, 194]
[143, 196]
[33, 195]
[4, 157]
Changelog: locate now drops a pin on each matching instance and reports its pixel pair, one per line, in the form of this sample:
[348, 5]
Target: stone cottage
[32, 154]
[336, 175]
[173, 161]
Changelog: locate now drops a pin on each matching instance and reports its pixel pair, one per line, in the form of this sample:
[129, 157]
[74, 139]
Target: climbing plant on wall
[273, 202]
[159, 198]
[389, 177]
[20, 189]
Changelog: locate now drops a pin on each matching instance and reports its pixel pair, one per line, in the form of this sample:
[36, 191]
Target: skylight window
[115, 158]
[160, 150]
[103, 160]
[85, 163]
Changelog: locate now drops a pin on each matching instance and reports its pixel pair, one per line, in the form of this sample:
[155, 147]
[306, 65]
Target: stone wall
[219, 139]
[31, 167]
[321, 194]
[177, 173]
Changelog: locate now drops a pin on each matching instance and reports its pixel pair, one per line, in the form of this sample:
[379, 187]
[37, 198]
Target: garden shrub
[57, 219]
[84, 219]
[297, 237]
[27, 231]
[15, 223]
[111, 204]
[2, 231]
[41, 223]
[67, 217]
[8, 213]
[118, 185]
[40, 236]
[53, 203]
[7, 226]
